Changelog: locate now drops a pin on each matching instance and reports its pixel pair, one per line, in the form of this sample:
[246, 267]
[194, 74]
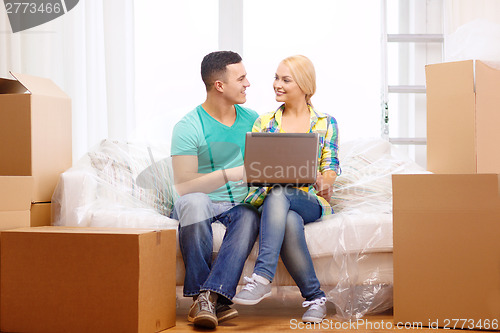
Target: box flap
[487, 118]
[82, 230]
[11, 87]
[446, 192]
[39, 86]
[15, 193]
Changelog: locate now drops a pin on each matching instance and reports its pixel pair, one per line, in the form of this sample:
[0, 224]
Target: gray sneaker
[252, 293]
[316, 312]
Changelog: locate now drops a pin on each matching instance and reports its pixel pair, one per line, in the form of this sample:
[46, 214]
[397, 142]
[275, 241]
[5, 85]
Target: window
[342, 38]
[171, 38]
[410, 21]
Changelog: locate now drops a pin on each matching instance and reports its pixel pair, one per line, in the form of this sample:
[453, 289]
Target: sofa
[129, 185]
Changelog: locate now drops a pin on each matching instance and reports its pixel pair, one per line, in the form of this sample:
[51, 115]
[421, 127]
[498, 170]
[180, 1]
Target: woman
[285, 210]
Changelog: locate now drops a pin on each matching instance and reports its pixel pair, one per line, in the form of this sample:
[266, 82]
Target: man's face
[235, 83]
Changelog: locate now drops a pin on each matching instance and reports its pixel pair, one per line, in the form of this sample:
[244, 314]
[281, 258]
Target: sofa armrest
[75, 191]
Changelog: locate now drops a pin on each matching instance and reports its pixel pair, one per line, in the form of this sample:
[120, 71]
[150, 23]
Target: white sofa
[117, 185]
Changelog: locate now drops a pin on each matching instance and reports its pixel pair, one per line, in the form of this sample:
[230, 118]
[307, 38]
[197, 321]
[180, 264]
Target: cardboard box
[14, 219]
[35, 132]
[15, 201]
[62, 279]
[446, 250]
[463, 111]
[40, 214]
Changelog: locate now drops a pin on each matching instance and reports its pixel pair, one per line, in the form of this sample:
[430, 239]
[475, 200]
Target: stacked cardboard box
[61, 279]
[446, 224]
[463, 113]
[56, 279]
[15, 201]
[35, 137]
[41, 214]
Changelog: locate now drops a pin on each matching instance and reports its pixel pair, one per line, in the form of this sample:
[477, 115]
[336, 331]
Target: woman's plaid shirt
[321, 123]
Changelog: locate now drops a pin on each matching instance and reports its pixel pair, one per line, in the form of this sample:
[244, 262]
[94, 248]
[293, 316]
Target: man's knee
[192, 200]
[192, 207]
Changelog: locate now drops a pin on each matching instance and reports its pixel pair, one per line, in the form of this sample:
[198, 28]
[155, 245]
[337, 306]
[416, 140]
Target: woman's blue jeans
[285, 212]
[196, 213]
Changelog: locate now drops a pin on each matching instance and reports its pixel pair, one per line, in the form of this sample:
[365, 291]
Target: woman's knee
[294, 223]
[276, 192]
[277, 199]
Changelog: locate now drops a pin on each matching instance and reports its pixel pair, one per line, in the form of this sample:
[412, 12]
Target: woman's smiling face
[285, 87]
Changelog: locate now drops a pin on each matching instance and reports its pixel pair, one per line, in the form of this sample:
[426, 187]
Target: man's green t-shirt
[227, 145]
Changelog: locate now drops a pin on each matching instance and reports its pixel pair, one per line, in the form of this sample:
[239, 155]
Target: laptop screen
[281, 158]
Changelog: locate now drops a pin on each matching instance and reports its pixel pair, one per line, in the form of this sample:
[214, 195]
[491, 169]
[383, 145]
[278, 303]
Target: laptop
[281, 158]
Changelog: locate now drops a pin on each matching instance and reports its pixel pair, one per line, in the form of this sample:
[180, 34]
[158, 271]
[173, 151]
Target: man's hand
[236, 174]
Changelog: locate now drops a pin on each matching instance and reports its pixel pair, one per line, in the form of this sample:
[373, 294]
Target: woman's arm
[324, 184]
[329, 164]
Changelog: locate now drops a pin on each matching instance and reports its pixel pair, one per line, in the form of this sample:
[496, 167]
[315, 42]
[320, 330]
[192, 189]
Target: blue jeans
[285, 212]
[196, 213]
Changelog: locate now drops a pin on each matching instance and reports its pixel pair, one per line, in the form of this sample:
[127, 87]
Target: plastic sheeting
[117, 185]
[478, 39]
[129, 185]
[364, 188]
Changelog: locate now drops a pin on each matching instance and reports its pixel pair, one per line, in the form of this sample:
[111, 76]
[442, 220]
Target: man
[207, 159]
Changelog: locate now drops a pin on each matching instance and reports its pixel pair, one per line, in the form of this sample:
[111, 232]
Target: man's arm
[188, 180]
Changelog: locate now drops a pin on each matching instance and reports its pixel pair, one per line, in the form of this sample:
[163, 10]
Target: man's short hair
[213, 66]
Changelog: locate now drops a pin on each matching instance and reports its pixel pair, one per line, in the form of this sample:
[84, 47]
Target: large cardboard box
[62, 279]
[463, 113]
[35, 132]
[15, 201]
[447, 250]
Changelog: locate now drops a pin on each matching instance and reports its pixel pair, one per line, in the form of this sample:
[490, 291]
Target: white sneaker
[316, 312]
[253, 292]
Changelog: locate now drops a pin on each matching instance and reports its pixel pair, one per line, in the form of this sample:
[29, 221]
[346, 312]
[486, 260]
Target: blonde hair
[303, 74]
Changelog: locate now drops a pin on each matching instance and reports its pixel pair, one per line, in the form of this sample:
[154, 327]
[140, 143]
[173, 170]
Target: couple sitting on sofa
[207, 159]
